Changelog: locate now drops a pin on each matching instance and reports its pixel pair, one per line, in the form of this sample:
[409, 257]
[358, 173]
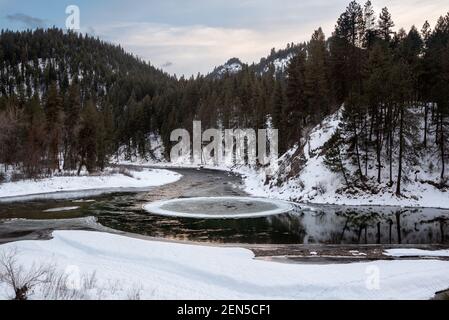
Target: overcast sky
[190, 36]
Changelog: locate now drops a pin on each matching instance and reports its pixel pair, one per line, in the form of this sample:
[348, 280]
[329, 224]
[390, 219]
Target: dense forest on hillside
[68, 100]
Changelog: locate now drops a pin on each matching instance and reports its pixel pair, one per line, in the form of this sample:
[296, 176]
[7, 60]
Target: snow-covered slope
[232, 66]
[157, 270]
[314, 182]
[277, 59]
[280, 64]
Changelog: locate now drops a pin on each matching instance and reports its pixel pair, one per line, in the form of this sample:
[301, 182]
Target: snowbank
[416, 253]
[136, 179]
[178, 271]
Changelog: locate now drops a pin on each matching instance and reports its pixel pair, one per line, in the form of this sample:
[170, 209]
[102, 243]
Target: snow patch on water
[62, 209]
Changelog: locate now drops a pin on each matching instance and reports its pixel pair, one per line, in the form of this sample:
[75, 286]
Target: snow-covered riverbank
[158, 270]
[318, 185]
[109, 180]
[304, 177]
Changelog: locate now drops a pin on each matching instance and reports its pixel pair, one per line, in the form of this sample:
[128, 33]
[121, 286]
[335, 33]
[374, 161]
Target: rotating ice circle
[219, 207]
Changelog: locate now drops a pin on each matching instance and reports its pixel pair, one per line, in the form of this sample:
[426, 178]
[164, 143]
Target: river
[120, 211]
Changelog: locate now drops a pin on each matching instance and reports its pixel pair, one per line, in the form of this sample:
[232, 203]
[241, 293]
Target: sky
[185, 37]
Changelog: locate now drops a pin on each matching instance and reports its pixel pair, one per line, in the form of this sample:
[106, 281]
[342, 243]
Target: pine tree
[351, 26]
[385, 25]
[35, 140]
[333, 158]
[53, 111]
[88, 137]
[278, 115]
[369, 24]
[296, 110]
[316, 76]
[71, 126]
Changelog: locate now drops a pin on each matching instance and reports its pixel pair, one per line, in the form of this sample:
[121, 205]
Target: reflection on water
[374, 225]
[320, 224]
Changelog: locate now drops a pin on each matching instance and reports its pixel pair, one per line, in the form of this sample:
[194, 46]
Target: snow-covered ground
[158, 270]
[111, 180]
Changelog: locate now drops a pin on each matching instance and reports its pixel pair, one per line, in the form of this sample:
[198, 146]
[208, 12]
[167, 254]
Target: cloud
[167, 64]
[29, 21]
[199, 48]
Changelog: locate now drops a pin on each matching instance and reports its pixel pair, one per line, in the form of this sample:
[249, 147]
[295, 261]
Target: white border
[156, 208]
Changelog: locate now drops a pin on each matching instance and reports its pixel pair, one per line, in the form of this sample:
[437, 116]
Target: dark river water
[304, 225]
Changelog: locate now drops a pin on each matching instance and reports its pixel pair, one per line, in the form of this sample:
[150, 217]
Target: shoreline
[66, 185]
[244, 176]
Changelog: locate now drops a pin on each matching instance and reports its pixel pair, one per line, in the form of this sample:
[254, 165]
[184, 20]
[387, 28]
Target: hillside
[69, 100]
[305, 176]
[32, 60]
[277, 62]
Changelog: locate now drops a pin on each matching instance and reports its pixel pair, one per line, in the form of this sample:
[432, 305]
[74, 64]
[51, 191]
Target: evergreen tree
[369, 24]
[53, 111]
[296, 110]
[316, 75]
[88, 137]
[334, 155]
[71, 126]
[385, 25]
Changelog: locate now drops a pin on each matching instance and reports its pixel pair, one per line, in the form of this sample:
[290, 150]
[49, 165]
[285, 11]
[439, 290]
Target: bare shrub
[57, 288]
[17, 176]
[48, 283]
[134, 293]
[320, 187]
[90, 281]
[21, 281]
[60, 287]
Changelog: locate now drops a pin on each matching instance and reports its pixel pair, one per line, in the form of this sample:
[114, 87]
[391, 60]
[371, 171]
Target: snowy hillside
[233, 66]
[303, 176]
[277, 59]
[280, 64]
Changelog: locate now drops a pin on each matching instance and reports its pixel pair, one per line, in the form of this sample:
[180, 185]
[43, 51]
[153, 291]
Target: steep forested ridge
[76, 98]
[68, 100]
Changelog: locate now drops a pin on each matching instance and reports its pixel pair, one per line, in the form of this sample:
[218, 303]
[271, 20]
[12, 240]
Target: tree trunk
[442, 146]
[401, 142]
[358, 154]
[379, 161]
[342, 168]
[426, 112]
[398, 226]
[391, 155]
[366, 145]
[80, 166]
